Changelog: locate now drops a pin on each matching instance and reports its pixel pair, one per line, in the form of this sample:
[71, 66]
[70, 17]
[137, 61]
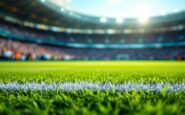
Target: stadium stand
[14, 50]
[171, 36]
[28, 37]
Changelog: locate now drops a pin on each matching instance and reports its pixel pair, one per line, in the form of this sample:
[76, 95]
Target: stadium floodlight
[62, 9]
[110, 31]
[119, 20]
[103, 19]
[69, 30]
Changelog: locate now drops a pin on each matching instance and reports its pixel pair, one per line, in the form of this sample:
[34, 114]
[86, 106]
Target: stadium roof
[44, 12]
[122, 8]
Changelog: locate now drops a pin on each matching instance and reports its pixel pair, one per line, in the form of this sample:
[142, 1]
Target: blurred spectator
[17, 56]
[14, 50]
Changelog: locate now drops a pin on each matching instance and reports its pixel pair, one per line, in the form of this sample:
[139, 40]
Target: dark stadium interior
[35, 32]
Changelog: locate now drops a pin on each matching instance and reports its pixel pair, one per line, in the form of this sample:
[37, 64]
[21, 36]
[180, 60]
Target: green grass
[88, 102]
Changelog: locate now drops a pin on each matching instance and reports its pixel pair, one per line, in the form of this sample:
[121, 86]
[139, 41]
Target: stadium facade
[45, 31]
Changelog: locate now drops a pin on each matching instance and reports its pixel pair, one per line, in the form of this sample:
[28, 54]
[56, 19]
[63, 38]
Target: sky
[123, 8]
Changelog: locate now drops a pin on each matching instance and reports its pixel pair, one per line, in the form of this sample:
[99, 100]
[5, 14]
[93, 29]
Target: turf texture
[96, 87]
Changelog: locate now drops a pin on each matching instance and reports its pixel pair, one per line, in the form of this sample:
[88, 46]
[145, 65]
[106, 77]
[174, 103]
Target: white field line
[156, 88]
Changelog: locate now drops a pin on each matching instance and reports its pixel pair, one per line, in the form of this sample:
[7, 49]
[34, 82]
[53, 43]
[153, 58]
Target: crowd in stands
[15, 50]
[171, 36]
[128, 54]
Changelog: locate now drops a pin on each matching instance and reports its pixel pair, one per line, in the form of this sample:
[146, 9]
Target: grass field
[137, 87]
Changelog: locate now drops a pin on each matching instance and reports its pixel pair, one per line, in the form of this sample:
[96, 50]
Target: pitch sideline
[156, 88]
